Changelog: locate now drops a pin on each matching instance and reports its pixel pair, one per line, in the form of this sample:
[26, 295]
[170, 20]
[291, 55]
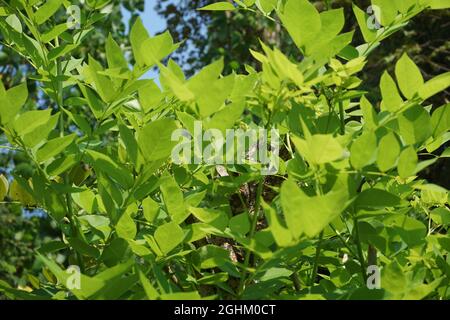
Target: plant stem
[342, 117]
[316, 260]
[251, 234]
[360, 252]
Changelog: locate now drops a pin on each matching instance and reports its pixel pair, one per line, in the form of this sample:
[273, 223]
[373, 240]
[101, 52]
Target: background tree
[22, 231]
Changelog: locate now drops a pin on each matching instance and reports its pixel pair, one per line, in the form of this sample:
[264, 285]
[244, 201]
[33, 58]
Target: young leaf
[391, 98]
[319, 149]
[47, 10]
[388, 152]
[309, 215]
[156, 48]
[409, 78]
[302, 21]
[12, 101]
[364, 150]
[388, 11]
[138, 35]
[114, 54]
[435, 85]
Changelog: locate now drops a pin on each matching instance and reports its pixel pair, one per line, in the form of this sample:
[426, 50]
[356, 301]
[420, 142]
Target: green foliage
[138, 225]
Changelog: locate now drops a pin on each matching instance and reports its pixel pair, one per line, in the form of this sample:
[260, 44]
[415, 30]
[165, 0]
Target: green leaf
[138, 35]
[12, 101]
[240, 224]
[169, 236]
[219, 6]
[440, 120]
[435, 85]
[103, 85]
[88, 286]
[95, 104]
[388, 152]
[155, 139]
[404, 5]
[4, 187]
[441, 216]
[302, 21]
[362, 19]
[126, 227]
[407, 163]
[388, 11]
[415, 125]
[150, 291]
[131, 145]
[309, 215]
[369, 114]
[104, 163]
[391, 98]
[156, 48]
[150, 208]
[173, 199]
[97, 4]
[319, 149]
[332, 22]
[47, 10]
[266, 6]
[207, 81]
[114, 54]
[280, 232]
[54, 147]
[409, 78]
[14, 22]
[214, 218]
[364, 150]
[170, 80]
[376, 198]
[54, 32]
[212, 256]
[29, 121]
[439, 4]
[83, 248]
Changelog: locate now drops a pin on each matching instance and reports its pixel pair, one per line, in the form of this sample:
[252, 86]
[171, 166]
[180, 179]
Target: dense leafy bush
[343, 205]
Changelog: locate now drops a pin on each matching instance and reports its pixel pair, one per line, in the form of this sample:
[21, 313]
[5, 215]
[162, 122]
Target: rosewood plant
[346, 216]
